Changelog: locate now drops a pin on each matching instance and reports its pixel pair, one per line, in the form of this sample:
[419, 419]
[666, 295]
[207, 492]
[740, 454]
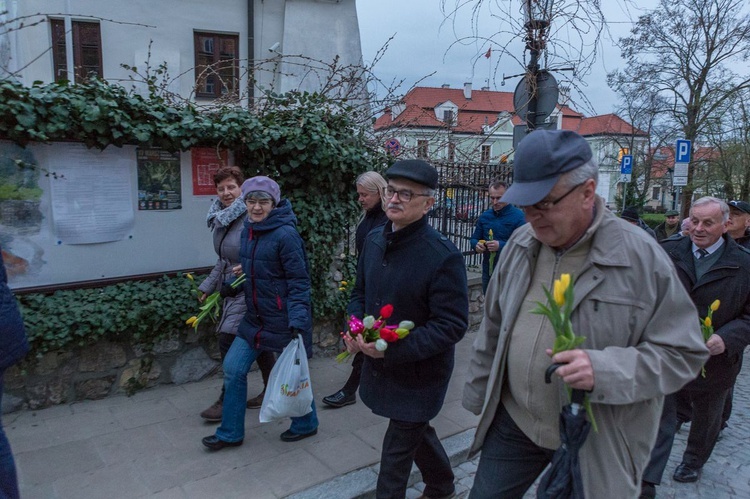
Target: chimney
[467, 91]
[445, 85]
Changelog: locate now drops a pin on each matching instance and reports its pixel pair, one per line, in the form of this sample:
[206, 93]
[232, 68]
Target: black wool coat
[728, 280]
[422, 274]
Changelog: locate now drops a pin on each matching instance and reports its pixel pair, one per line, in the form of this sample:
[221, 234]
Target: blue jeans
[8, 479]
[237, 362]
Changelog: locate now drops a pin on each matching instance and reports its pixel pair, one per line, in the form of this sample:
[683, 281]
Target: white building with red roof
[465, 125]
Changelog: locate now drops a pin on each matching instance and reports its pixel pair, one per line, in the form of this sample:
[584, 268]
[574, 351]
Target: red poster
[206, 161]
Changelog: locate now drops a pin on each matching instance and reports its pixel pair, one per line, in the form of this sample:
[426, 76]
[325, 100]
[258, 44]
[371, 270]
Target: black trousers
[265, 360]
[708, 407]
[664, 440]
[352, 384]
[408, 443]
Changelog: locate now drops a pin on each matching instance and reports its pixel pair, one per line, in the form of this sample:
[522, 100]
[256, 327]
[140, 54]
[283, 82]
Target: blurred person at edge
[225, 219]
[738, 225]
[277, 297]
[13, 347]
[371, 195]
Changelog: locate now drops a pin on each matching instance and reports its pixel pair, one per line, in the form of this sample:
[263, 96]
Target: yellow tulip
[191, 320]
[707, 322]
[189, 276]
[561, 285]
[344, 283]
[715, 305]
[482, 241]
[491, 235]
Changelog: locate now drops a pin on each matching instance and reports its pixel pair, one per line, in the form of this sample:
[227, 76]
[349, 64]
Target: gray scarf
[223, 217]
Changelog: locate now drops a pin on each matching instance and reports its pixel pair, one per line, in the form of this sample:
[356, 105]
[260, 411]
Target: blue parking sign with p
[626, 164]
[682, 151]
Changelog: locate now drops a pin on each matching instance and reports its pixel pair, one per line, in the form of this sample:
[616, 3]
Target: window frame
[423, 148]
[217, 38]
[485, 153]
[60, 44]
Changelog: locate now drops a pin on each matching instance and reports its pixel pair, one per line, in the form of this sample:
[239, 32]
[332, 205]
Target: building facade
[466, 125]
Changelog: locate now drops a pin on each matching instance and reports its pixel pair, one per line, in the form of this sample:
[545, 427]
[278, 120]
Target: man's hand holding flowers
[371, 336]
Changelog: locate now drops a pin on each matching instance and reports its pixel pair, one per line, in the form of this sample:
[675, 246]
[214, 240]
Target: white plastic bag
[289, 392]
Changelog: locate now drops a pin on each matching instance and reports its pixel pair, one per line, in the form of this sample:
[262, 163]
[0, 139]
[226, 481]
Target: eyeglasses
[403, 195]
[546, 204]
[264, 203]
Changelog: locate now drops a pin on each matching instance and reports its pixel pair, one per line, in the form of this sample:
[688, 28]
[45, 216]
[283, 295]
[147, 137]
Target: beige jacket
[642, 336]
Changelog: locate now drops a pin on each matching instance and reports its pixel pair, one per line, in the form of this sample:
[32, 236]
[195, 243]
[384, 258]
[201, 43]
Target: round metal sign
[547, 93]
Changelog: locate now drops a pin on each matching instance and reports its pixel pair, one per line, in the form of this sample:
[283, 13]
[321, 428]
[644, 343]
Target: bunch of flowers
[558, 309]
[707, 326]
[493, 254]
[376, 330]
[212, 306]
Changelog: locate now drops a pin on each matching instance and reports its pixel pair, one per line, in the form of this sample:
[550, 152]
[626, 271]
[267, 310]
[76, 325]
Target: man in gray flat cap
[642, 339]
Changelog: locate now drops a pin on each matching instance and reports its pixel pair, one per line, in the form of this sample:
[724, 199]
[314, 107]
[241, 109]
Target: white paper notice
[92, 198]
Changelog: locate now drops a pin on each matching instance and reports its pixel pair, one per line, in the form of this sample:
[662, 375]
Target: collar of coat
[682, 251]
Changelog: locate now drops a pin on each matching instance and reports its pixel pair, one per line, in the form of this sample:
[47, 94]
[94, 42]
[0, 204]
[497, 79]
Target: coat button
[385, 263]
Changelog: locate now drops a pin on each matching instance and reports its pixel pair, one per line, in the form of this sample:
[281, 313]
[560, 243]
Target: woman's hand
[202, 298]
[237, 270]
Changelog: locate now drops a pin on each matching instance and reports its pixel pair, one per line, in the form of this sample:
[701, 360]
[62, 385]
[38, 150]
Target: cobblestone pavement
[726, 475]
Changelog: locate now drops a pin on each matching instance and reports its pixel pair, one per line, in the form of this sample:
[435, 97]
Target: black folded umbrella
[563, 478]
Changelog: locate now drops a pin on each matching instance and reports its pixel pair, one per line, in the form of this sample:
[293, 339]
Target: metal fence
[460, 198]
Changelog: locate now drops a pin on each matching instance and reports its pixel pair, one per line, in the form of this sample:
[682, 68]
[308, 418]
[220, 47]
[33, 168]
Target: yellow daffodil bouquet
[493, 254]
[707, 326]
[558, 309]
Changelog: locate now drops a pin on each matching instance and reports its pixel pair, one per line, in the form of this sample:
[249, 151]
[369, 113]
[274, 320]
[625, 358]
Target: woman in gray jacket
[225, 219]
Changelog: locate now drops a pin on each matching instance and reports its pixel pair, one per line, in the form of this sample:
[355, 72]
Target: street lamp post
[537, 14]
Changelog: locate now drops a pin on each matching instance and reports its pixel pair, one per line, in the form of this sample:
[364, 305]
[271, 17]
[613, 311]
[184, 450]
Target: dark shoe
[256, 402]
[340, 399]
[686, 474]
[214, 443]
[648, 490]
[213, 413]
[449, 496]
[720, 435]
[288, 436]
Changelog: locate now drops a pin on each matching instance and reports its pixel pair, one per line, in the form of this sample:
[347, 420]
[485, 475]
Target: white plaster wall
[315, 29]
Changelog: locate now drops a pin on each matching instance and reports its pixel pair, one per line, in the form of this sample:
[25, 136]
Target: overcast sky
[424, 43]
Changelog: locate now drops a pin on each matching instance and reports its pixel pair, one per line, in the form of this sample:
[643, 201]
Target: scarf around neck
[223, 217]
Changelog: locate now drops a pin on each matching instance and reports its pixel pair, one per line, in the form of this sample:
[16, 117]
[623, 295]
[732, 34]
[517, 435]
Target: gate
[460, 198]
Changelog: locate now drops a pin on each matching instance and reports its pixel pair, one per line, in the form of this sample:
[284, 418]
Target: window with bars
[655, 193]
[448, 117]
[216, 65]
[486, 153]
[422, 148]
[87, 50]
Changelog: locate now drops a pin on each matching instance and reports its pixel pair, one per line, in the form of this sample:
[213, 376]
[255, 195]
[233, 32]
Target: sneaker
[213, 413]
[255, 403]
[340, 399]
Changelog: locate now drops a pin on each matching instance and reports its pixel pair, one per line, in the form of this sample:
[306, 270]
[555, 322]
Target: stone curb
[360, 484]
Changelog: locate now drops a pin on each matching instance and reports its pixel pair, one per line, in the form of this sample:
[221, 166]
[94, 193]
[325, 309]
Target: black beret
[415, 170]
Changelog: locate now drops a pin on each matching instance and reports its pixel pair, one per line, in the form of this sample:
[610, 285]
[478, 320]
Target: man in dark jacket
[412, 267]
[630, 214]
[13, 346]
[669, 227]
[370, 187]
[494, 227]
[711, 267]
[738, 225]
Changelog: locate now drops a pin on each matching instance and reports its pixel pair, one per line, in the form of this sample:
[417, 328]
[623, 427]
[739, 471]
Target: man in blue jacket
[13, 346]
[501, 219]
[421, 274]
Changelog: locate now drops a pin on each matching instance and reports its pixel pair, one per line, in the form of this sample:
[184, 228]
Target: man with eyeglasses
[642, 338]
[494, 227]
[418, 271]
[738, 225]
